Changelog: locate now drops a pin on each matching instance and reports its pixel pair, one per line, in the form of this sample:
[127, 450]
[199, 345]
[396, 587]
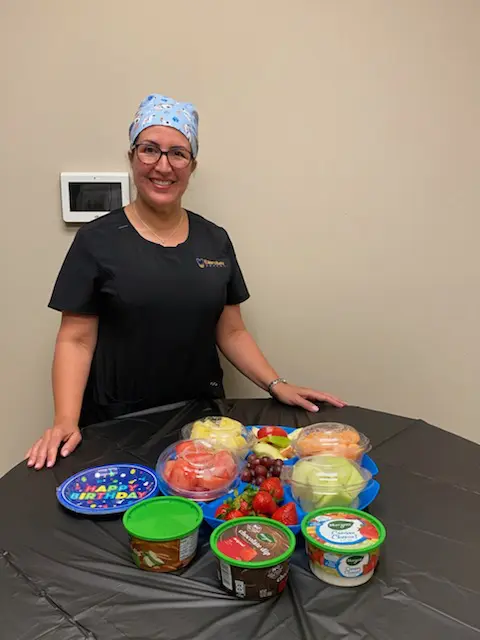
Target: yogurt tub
[343, 545]
[163, 532]
[253, 555]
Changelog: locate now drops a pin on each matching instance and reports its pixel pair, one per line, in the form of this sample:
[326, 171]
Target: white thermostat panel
[86, 196]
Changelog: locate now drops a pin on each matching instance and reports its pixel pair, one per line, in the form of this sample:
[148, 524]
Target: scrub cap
[156, 109]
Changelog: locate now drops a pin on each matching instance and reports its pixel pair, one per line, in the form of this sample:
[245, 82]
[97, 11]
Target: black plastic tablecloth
[67, 577]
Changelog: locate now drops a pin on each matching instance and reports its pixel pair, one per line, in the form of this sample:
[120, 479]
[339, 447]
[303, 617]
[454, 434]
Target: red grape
[258, 481]
[246, 475]
[266, 461]
[255, 463]
[278, 462]
[276, 471]
[261, 471]
[251, 458]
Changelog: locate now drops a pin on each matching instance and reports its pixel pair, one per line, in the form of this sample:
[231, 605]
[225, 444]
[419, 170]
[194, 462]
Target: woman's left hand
[300, 396]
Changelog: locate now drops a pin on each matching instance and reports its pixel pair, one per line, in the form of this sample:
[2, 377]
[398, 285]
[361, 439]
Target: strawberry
[245, 507]
[263, 503]
[222, 511]
[271, 431]
[274, 487]
[234, 514]
[286, 514]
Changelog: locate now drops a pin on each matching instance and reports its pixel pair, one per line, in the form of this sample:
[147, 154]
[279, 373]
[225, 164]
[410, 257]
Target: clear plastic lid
[198, 470]
[222, 432]
[331, 438]
[326, 481]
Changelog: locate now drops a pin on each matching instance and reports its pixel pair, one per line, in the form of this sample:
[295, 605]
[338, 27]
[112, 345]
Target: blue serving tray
[365, 498]
[101, 491]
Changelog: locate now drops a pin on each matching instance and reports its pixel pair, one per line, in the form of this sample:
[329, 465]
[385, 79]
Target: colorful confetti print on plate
[109, 489]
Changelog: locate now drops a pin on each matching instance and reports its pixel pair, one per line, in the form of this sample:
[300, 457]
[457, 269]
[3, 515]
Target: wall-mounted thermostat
[86, 196]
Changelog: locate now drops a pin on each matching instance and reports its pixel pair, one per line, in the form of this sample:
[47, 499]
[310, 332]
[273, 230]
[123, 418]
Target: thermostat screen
[95, 196]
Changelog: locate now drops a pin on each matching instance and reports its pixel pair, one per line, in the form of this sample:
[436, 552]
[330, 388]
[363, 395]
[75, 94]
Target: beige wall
[339, 146]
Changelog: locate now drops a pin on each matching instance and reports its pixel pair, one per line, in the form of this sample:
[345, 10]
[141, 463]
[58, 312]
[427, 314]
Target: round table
[69, 577]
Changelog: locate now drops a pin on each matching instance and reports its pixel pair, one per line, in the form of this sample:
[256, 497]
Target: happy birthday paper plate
[109, 489]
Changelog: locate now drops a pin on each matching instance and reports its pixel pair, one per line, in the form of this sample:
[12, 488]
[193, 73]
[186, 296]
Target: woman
[147, 293]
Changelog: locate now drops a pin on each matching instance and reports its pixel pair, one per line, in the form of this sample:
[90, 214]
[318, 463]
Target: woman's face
[161, 184]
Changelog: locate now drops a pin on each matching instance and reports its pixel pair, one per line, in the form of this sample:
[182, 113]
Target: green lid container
[353, 516]
[163, 519]
[266, 527]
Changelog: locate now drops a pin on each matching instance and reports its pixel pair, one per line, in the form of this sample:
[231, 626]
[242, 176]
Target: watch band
[273, 383]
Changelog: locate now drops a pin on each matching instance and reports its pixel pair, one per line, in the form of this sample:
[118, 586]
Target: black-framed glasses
[150, 153]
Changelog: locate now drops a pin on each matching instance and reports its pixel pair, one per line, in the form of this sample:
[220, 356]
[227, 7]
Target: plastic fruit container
[253, 555]
[224, 433]
[343, 545]
[163, 532]
[326, 481]
[331, 438]
[196, 469]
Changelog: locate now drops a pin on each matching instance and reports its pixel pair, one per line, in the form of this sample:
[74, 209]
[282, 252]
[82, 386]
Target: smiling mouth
[162, 183]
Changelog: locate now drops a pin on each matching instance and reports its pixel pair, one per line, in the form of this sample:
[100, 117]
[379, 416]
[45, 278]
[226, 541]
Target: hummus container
[197, 470]
[343, 545]
[326, 481]
[333, 439]
[253, 555]
[222, 432]
[163, 532]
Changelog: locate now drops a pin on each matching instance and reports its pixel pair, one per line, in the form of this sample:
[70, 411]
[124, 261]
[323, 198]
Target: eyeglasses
[150, 153]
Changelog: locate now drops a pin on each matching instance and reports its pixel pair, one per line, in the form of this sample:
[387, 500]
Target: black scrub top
[158, 308]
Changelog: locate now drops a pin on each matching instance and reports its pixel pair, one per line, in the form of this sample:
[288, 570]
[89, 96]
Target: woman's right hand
[45, 450]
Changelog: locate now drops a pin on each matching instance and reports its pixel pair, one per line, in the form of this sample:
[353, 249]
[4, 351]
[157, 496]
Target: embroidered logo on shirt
[203, 263]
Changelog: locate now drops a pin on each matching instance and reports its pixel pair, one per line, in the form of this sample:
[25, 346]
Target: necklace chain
[162, 241]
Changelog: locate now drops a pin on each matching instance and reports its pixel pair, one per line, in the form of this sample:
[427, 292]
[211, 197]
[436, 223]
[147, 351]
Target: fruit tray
[365, 498]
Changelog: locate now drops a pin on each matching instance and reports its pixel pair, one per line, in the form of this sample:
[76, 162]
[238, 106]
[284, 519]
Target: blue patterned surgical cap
[167, 112]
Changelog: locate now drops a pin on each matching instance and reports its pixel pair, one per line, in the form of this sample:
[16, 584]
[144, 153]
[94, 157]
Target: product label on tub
[188, 546]
[353, 566]
[343, 530]
[341, 566]
[253, 542]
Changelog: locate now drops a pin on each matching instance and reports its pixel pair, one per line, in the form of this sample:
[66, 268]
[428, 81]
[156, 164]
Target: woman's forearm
[243, 352]
[71, 366]
[238, 346]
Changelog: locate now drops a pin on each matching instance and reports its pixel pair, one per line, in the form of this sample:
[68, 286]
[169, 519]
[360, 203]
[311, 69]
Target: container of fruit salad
[224, 433]
[323, 481]
[333, 439]
[343, 545]
[253, 557]
[196, 469]
[163, 532]
[272, 442]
